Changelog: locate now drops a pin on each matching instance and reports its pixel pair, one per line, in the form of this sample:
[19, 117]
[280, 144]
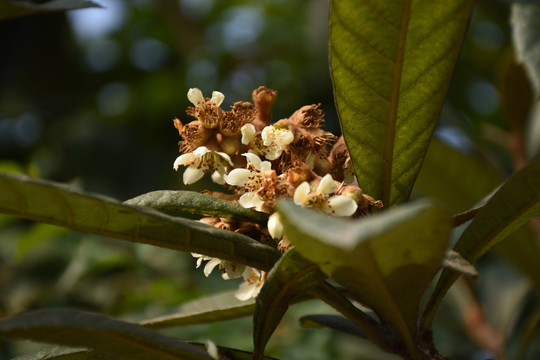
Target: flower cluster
[260, 162]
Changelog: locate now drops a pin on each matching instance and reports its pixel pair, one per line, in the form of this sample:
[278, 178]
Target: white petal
[192, 174]
[183, 160]
[342, 205]
[253, 159]
[273, 153]
[327, 185]
[267, 135]
[284, 137]
[212, 350]
[200, 151]
[217, 98]
[301, 193]
[246, 291]
[248, 133]
[217, 177]
[225, 156]
[275, 227]
[211, 265]
[237, 177]
[251, 199]
[265, 165]
[233, 269]
[195, 96]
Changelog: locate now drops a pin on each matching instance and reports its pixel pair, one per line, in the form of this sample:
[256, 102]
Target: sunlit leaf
[514, 204]
[387, 260]
[290, 277]
[391, 66]
[102, 334]
[178, 202]
[217, 307]
[334, 322]
[15, 8]
[61, 205]
[62, 353]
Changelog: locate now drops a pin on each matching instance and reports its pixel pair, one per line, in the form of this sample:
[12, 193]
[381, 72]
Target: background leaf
[102, 334]
[60, 205]
[178, 202]
[387, 259]
[391, 66]
[511, 207]
[11, 9]
[290, 277]
[217, 307]
[525, 20]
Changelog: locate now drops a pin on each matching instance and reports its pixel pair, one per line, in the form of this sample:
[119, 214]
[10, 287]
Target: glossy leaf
[514, 204]
[61, 205]
[525, 20]
[178, 202]
[391, 66]
[387, 260]
[11, 9]
[217, 307]
[334, 322]
[290, 277]
[102, 334]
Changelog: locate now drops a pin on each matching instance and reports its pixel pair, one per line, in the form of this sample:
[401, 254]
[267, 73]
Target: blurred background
[88, 97]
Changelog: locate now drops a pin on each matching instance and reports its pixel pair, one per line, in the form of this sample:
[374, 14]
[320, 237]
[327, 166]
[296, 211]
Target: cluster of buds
[260, 162]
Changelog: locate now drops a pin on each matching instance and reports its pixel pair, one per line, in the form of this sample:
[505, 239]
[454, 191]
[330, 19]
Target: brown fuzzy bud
[263, 98]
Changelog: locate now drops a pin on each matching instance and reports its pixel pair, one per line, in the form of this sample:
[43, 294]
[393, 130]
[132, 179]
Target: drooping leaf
[217, 307]
[391, 65]
[61, 205]
[15, 8]
[101, 334]
[387, 260]
[334, 322]
[178, 202]
[290, 277]
[514, 204]
[454, 261]
[525, 20]
[62, 353]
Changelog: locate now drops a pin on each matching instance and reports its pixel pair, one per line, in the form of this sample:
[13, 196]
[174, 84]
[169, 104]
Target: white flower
[203, 160]
[275, 139]
[250, 179]
[250, 288]
[229, 269]
[275, 227]
[195, 96]
[339, 205]
[212, 349]
[248, 133]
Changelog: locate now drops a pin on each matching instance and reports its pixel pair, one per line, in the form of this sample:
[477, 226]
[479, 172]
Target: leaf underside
[64, 206]
[391, 65]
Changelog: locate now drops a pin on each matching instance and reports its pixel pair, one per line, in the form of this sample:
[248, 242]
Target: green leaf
[525, 20]
[458, 179]
[178, 202]
[64, 206]
[387, 260]
[232, 354]
[102, 334]
[217, 307]
[334, 322]
[391, 65]
[290, 277]
[514, 204]
[11, 8]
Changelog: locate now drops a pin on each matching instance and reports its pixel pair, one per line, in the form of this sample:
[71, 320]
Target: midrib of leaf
[394, 105]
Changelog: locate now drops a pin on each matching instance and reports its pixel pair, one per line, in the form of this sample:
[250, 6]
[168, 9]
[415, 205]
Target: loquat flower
[275, 139]
[203, 160]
